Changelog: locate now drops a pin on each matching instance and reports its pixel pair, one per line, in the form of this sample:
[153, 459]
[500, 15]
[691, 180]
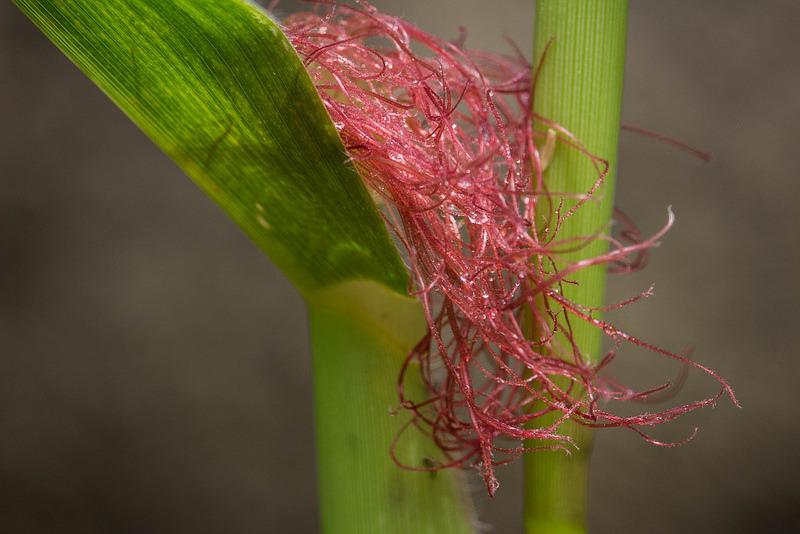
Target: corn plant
[362, 171]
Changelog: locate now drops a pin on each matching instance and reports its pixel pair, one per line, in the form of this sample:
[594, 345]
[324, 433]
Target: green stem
[580, 88]
[360, 333]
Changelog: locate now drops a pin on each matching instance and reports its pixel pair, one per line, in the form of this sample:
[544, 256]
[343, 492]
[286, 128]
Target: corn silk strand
[444, 136]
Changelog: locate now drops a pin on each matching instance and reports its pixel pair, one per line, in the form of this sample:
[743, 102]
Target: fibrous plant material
[445, 137]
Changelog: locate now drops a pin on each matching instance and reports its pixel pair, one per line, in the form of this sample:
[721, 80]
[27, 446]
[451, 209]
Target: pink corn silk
[444, 136]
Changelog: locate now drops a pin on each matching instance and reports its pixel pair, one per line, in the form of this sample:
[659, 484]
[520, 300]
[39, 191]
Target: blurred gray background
[154, 367]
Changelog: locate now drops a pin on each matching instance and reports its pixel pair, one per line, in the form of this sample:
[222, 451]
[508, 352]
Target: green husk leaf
[218, 87]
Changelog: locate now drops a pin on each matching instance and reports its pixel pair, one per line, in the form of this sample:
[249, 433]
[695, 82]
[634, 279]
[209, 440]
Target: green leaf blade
[219, 88]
